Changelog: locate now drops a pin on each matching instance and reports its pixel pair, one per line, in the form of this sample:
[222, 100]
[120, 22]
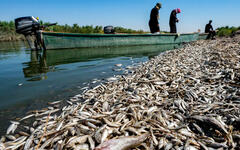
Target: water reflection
[12, 46]
[37, 67]
[56, 57]
[42, 62]
[11, 49]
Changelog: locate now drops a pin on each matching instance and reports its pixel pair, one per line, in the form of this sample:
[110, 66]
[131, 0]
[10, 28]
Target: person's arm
[211, 28]
[175, 16]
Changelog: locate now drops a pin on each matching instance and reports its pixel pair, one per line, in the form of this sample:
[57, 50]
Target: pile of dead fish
[187, 98]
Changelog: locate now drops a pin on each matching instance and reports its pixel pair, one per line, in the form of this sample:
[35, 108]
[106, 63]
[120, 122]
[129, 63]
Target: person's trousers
[173, 28]
[211, 35]
[154, 27]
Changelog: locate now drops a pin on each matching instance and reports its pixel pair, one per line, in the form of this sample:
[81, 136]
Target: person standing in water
[173, 20]
[154, 16]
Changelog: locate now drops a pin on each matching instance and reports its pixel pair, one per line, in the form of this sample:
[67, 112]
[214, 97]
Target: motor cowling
[109, 30]
[27, 25]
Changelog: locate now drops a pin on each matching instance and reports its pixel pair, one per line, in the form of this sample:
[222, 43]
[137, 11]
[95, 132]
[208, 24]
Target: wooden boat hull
[71, 40]
[202, 36]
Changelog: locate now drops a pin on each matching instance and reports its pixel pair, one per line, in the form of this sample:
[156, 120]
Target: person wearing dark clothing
[173, 20]
[154, 16]
[209, 30]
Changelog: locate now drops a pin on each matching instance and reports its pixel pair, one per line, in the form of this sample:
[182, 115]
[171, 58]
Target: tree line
[227, 31]
[7, 32]
[9, 27]
[75, 28]
[6, 26]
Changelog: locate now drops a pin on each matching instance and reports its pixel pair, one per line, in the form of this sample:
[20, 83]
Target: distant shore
[10, 37]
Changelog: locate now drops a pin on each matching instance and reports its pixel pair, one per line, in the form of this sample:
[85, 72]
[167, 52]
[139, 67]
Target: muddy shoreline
[184, 98]
[11, 37]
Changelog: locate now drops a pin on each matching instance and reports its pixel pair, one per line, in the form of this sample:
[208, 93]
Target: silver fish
[122, 143]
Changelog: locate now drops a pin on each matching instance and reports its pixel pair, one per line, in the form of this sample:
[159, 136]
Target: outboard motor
[109, 30]
[32, 30]
[26, 25]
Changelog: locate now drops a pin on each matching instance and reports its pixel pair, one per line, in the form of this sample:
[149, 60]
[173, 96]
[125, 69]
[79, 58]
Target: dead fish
[47, 112]
[84, 129]
[118, 65]
[81, 113]
[91, 142]
[133, 130]
[23, 133]
[74, 140]
[204, 147]
[91, 125]
[50, 108]
[186, 132]
[98, 135]
[35, 123]
[168, 146]
[53, 103]
[117, 70]
[82, 147]
[111, 124]
[69, 102]
[28, 143]
[26, 117]
[153, 137]
[3, 139]
[111, 79]
[120, 117]
[46, 143]
[72, 130]
[11, 137]
[2, 146]
[212, 122]
[217, 145]
[93, 82]
[12, 127]
[189, 147]
[94, 121]
[59, 126]
[123, 143]
[160, 83]
[198, 128]
[105, 107]
[17, 144]
[59, 145]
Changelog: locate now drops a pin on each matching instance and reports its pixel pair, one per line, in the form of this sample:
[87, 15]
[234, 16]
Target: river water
[30, 79]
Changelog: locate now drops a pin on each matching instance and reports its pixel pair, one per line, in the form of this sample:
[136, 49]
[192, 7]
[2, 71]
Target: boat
[73, 40]
[202, 36]
[38, 39]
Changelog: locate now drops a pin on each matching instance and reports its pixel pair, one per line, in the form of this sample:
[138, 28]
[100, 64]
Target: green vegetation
[123, 30]
[7, 30]
[7, 26]
[75, 28]
[227, 31]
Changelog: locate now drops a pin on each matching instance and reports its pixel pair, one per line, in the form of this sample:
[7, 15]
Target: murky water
[30, 79]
